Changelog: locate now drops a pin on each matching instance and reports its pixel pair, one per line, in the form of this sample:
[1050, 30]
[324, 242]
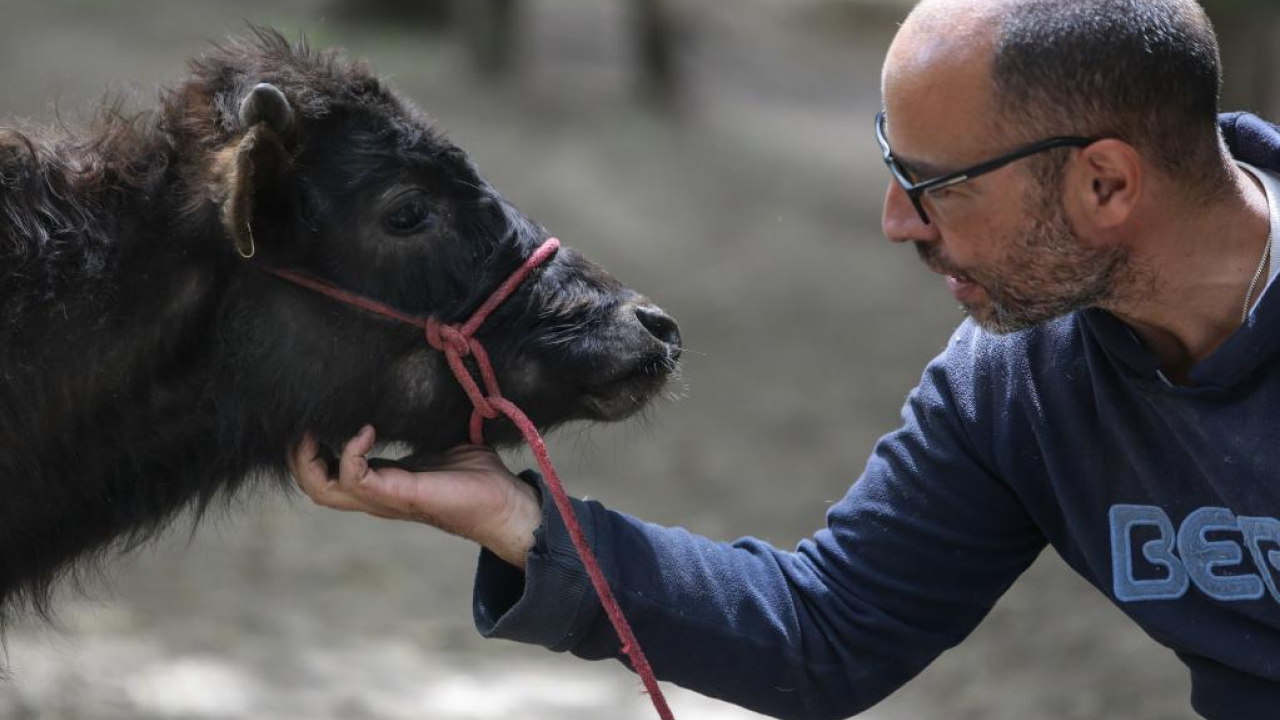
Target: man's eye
[409, 217]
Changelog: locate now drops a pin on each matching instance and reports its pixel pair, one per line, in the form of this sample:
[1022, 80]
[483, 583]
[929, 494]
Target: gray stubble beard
[1058, 274]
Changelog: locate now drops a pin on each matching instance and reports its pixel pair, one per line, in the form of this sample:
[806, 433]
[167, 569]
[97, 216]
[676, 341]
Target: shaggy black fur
[146, 368]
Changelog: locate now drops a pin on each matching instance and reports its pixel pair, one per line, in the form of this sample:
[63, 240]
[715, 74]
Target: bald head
[940, 37]
[972, 19]
[939, 66]
[1145, 71]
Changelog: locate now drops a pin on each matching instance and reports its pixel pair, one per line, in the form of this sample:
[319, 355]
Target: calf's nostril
[660, 325]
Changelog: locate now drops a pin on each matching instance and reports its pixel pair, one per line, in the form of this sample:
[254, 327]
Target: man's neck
[1191, 274]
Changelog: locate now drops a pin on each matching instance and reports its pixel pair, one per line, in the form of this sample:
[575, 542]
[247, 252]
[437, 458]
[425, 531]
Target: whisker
[472, 185]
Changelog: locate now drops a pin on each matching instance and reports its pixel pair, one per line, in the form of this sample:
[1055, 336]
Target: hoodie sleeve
[910, 561]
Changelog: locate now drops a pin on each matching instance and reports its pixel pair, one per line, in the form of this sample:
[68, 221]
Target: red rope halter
[457, 342]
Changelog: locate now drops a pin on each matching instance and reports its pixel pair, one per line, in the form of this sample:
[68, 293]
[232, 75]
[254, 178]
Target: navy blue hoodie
[1162, 497]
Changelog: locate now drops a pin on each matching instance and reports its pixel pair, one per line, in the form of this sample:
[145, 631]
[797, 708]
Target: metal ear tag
[253, 247]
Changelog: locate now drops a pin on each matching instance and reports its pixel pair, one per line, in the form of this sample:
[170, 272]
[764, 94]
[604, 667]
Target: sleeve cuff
[551, 603]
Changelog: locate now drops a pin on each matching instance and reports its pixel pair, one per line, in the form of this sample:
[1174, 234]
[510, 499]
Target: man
[1112, 394]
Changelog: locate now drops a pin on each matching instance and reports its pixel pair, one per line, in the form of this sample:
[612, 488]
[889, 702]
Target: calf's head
[323, 170]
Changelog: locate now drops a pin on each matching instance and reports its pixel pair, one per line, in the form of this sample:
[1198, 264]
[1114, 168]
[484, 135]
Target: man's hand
[469, 493]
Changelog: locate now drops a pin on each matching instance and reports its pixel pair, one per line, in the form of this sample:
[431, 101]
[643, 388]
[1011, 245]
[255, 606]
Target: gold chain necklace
[1253, 284]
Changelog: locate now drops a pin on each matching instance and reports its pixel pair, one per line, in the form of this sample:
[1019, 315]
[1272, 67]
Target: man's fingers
[295, 455]
[446, 496]
[309, 469]
[353, 465]
[311, 472]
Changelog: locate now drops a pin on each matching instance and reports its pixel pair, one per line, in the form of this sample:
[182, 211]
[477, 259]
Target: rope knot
[447, 338]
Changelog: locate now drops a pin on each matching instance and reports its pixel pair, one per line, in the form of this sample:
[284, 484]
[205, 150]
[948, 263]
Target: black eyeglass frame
[916, 190]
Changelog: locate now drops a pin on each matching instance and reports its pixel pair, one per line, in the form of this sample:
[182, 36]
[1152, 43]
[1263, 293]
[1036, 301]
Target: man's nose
[900, 221]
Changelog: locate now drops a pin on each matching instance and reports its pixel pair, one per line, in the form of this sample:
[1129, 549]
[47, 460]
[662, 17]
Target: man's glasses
[916, 190]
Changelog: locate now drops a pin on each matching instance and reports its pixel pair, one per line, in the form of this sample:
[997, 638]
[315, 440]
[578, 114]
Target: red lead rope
[457, 342]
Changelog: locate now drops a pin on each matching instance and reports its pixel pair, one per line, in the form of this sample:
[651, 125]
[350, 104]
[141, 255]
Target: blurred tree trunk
[1249, 33]
[490, 27]
[656, 44]
[428, 14]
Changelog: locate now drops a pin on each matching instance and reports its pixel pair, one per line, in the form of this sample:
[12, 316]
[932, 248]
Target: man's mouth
[962, 287]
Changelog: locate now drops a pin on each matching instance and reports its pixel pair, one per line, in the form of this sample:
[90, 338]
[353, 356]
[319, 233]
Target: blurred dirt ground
[751, 214]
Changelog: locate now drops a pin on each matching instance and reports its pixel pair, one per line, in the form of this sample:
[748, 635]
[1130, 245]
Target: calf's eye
[409, 216]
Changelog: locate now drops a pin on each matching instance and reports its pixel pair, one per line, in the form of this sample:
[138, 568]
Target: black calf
[149, 366]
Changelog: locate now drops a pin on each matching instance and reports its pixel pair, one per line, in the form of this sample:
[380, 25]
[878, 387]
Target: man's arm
[912, 559]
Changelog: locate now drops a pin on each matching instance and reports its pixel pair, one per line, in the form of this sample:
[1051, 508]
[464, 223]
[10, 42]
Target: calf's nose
[661, 326]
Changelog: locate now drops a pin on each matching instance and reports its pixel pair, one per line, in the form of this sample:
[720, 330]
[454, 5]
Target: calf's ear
[258, 162]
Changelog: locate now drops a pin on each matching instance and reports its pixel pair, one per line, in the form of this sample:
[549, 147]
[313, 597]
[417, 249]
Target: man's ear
[1108, 183]
[258, 162]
